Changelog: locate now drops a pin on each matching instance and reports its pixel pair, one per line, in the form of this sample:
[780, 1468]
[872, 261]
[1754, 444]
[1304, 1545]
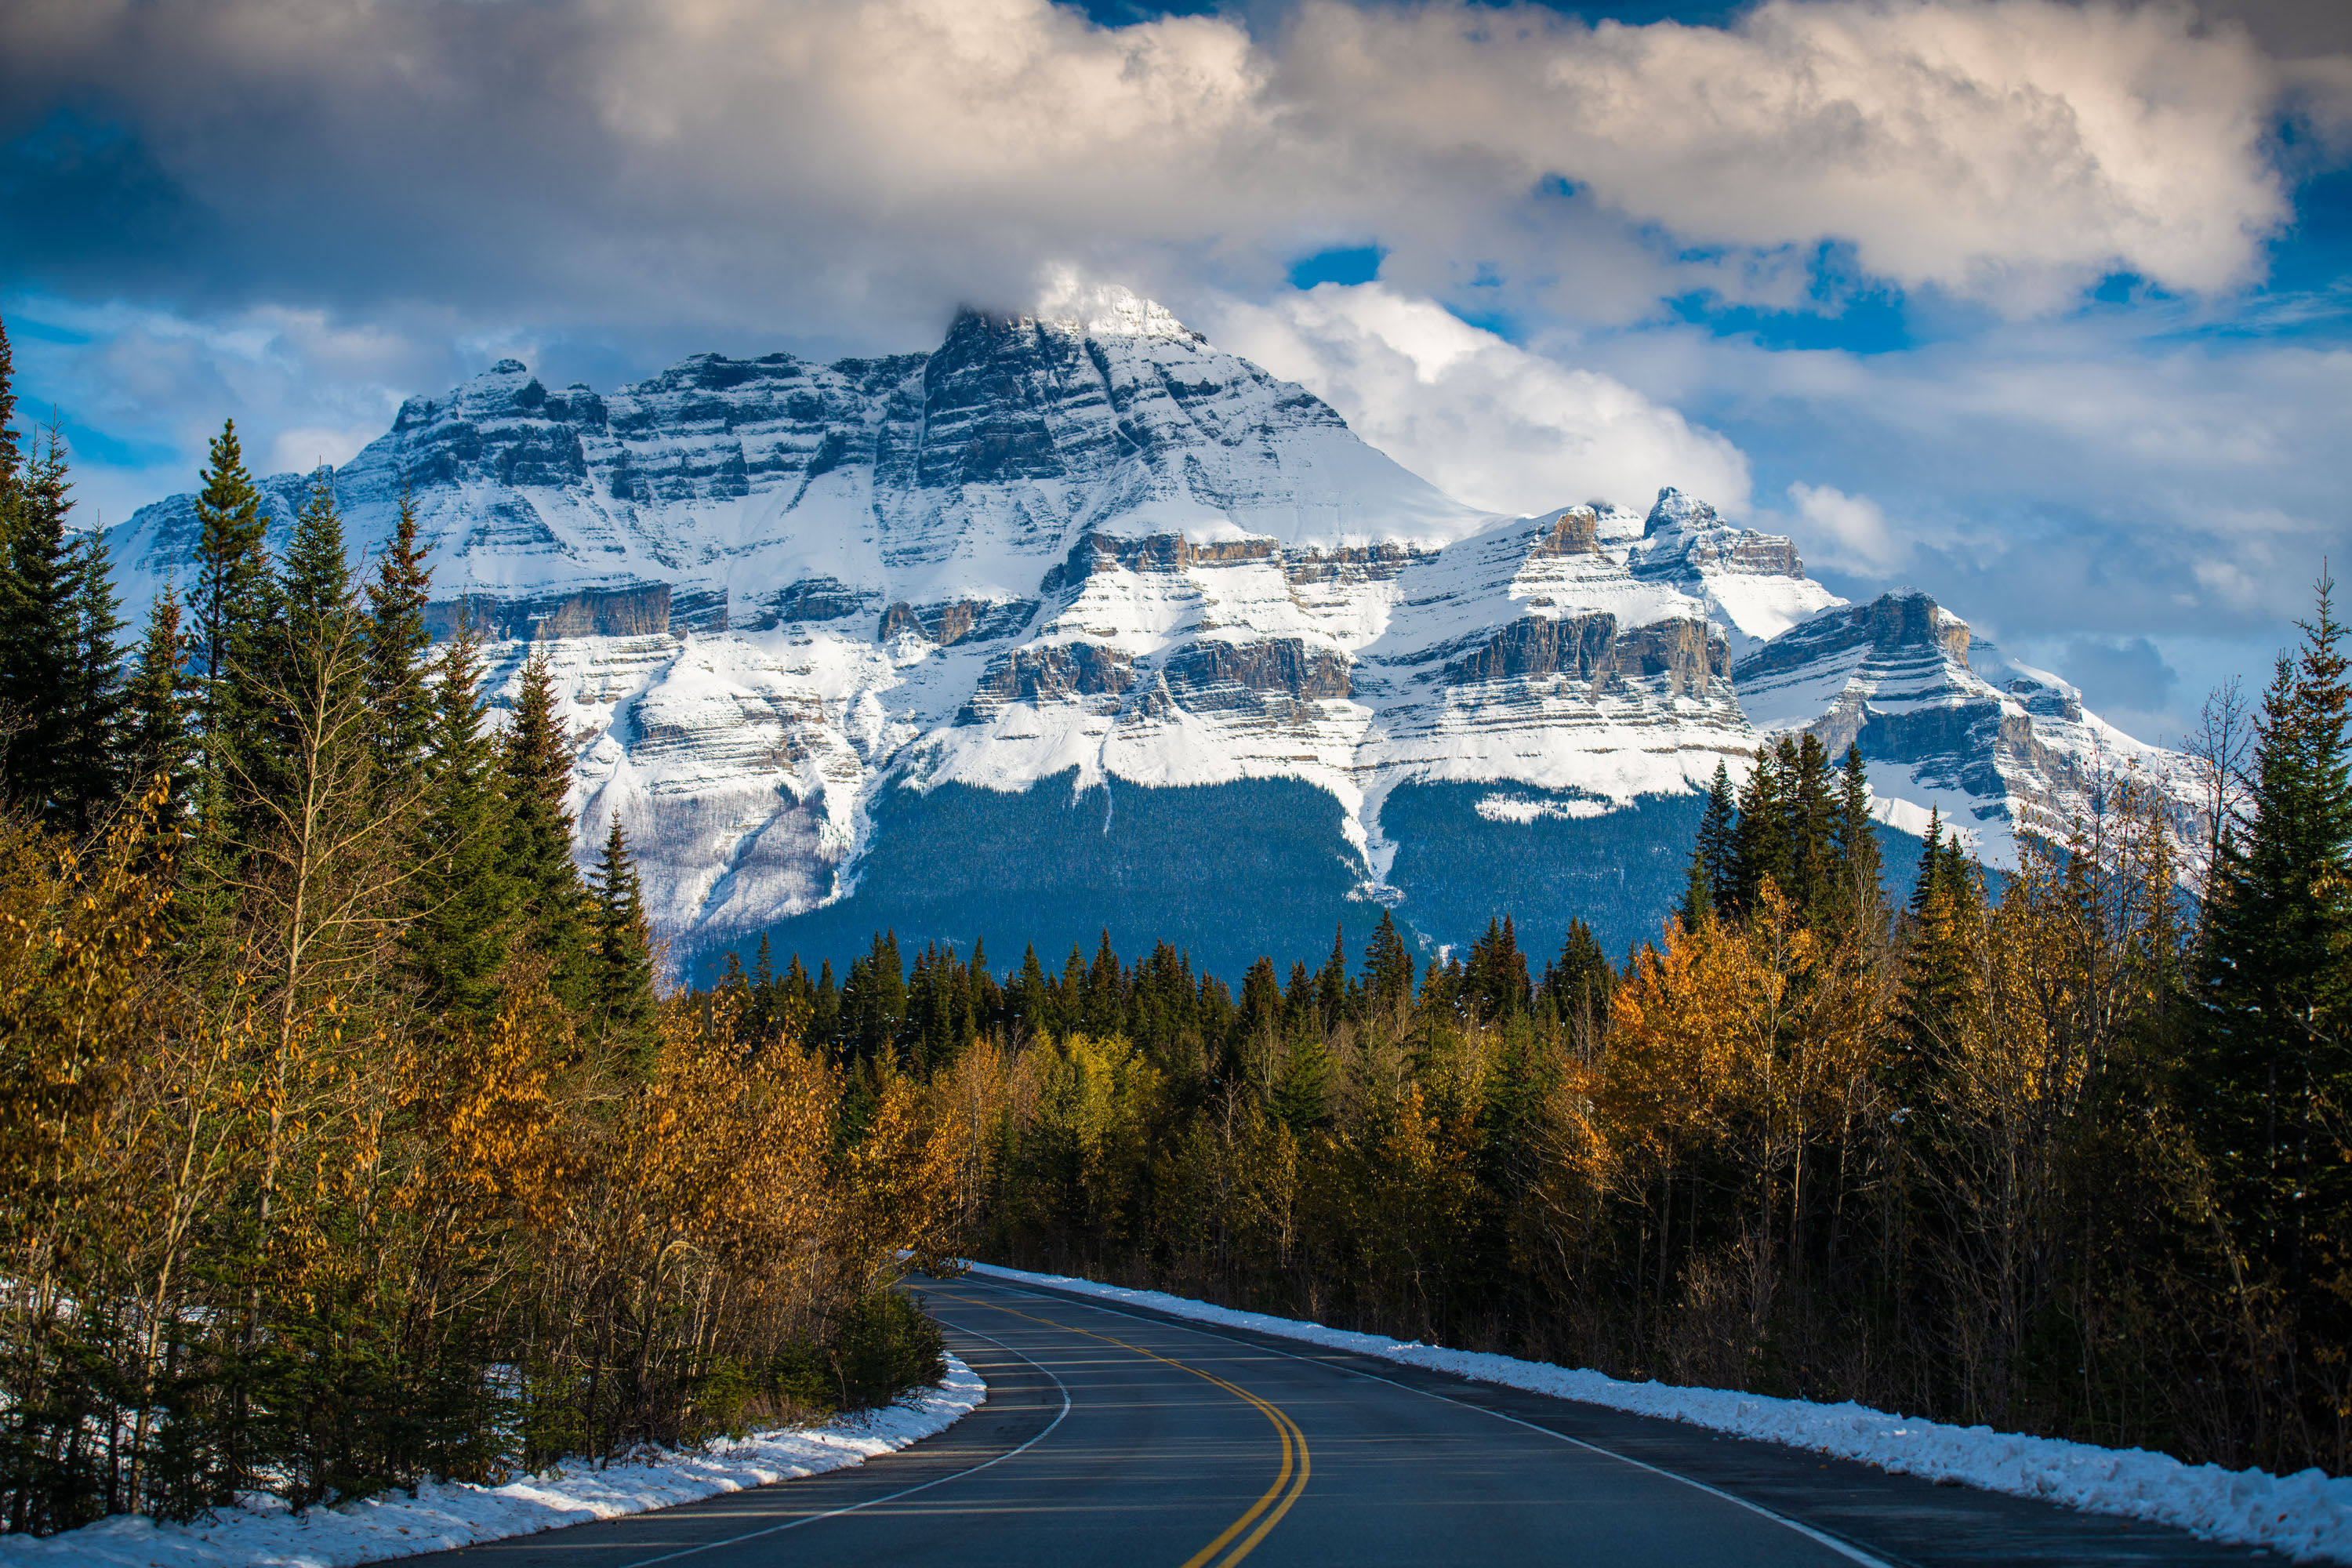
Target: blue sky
[2041, 306]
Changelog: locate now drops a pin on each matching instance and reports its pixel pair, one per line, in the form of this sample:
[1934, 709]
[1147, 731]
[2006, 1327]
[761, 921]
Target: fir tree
[1762, 837]
[1857, 858]
[535, 777]
[1715, 859]
[92, 773]
[1106, 994]
[622, 995]
[1331, 985]
[825, 1010]
[156, 738]
[37, 637]
[1031, 999]
[233, 608]
[1388, 967]
[400, 704]
[462, 901]
[1302, 1100]
[11, 455]
[307, 648]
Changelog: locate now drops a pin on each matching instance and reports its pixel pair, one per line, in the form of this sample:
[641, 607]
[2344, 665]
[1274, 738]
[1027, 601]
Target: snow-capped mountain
[1945, 720]
[1078, 623]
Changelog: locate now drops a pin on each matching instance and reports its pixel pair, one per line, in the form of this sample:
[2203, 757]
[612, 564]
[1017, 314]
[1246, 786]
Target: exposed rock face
[1945, 722]
[1754, 583]
[783, 599]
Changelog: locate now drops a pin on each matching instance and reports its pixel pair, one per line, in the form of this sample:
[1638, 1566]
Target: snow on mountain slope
[780, 597]
[1945, 722]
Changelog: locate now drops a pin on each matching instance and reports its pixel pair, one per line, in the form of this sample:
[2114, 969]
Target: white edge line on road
[894, 1496]
[1823, 1538]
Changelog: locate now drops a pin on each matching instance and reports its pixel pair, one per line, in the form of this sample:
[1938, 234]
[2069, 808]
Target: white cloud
[782, 162]
[1854, 527]
[1487, 422]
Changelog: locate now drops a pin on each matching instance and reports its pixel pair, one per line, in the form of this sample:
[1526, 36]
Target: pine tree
[535, 777]
[1858, 863]
[38, 639]
[825, 1010]
[93, 767]
[233, 608]
[2273, 1062]
[11, 455]
[621, 997]
[304, 659]
[156, 737]
[1331, 985]
[1302, 1100]
[1715, 856]
[1032, 999]
[1388, 967]
[1940, 992]
[1762, 838]
[398, 642]
[1106, 994]
[462, 898]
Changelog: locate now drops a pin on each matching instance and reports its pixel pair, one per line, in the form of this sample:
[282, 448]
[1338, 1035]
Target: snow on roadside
[441, 1516]
[2307, 1516]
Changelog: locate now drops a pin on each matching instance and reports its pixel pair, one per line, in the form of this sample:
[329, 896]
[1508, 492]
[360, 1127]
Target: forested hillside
[343, 1140]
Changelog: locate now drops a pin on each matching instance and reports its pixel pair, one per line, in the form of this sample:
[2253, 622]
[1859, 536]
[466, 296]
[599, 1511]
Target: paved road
[1119, 1436]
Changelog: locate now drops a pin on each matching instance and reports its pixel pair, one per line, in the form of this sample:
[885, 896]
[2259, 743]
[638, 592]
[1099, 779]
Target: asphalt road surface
[1120, 1437]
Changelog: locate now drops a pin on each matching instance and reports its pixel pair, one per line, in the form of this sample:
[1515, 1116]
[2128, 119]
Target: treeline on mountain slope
[343, 1140]
[2073, 1160]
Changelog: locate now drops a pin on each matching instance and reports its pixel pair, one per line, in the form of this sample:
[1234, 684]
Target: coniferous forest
[348, 1142]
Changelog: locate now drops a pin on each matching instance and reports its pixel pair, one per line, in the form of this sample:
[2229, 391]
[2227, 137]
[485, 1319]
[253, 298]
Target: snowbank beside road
[443, 1515]
[2307, 1516]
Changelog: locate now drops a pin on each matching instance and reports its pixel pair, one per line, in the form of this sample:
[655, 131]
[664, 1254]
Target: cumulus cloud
[752, 161]
[1853, 528]
[1487, 422]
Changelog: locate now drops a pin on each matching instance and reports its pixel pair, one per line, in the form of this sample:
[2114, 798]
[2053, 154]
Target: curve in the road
[1115, 1434]
[1296, 1456]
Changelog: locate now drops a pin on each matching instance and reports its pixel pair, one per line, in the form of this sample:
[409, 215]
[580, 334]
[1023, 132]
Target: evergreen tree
[1256, 1027]
[1302, 1100]
[1856, 856]
[92, 771]
[1388, 967]
[398, 642]
[11, 455]
[463, 899]
[156, 739]
[1715, 859]
[305, 660]
[2272, 1062]
[825, 1010]
[233, 609]
[1940, 985]
[1031, 999]
[1762, 838]
[1331, 985]
[1106, 994]
[1496, 978]
[38, 639]
[1578, 984]
[535, 777]
[621, 999]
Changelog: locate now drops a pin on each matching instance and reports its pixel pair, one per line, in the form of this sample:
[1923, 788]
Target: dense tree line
[2072, 1159]
[343, 1139]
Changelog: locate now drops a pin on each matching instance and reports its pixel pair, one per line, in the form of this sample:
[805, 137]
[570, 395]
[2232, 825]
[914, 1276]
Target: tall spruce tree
[398, 642]
[1388, 967]
[462, 898]
[1762, 838]
[37, 586]
[535, 771]
[232, 605]
[308, 662]
[622, 998]
[156, 734]
[2272, 1062]
[1859, 868]
[93, 768]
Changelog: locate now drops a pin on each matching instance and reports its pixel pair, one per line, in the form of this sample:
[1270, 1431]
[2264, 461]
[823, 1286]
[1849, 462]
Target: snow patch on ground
[441, 1516]
[2306, 1516]
[1508, 808]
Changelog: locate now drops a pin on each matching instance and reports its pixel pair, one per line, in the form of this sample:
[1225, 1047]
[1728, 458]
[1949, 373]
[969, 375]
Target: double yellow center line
[1289, 1481]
